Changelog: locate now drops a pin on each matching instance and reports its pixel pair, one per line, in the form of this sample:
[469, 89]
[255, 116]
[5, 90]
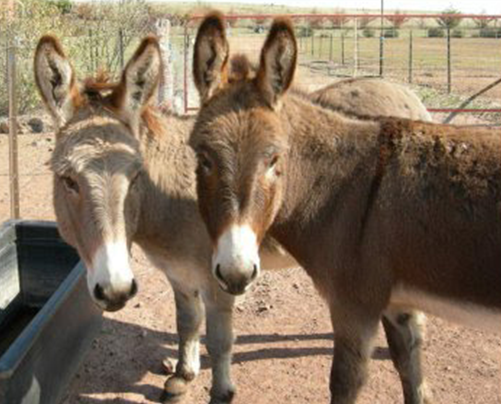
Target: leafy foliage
[450, 19]
[91, 33]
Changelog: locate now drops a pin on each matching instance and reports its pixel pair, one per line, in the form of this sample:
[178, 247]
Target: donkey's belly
[466, 313]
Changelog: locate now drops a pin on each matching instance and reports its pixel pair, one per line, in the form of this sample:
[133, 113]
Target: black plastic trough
[47, 319]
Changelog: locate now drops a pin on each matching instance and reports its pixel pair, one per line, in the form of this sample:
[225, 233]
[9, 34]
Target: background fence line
[444, 65]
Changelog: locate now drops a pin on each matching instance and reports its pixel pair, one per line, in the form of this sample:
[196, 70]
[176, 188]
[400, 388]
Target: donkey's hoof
[174, 390]
[186, 374]
[169, 366]
[223, 398]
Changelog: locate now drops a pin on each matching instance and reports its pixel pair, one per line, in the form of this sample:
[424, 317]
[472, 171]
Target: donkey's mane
[97, 91]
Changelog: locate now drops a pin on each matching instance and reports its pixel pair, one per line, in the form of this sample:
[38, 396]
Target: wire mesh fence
[446, 58]
[444, 61]
[99, 39]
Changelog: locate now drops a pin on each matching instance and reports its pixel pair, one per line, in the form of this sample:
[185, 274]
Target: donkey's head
[97, 162]
[242, 147]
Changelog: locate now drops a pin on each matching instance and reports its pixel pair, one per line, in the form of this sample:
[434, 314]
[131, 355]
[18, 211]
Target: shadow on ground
[125, 352]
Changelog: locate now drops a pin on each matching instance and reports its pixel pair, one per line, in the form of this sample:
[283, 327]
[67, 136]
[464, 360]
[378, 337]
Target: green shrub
[457, 33]
[304, 31]
[436, 32]
[90, 43]
[368, 32]
[391, 33]
[490, 32]
[64, 6]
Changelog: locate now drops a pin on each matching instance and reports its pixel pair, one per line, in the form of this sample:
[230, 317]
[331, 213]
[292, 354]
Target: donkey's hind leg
[219, 312]
[189, 316]
[404, 333]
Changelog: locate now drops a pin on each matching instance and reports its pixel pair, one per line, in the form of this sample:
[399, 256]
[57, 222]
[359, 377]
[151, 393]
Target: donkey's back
[371, 97]
[437, 217]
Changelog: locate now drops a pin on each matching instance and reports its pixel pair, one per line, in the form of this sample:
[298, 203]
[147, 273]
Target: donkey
[388, 213]
[123, 173]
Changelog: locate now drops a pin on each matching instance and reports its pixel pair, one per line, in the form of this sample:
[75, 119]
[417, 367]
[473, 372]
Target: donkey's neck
[329, 156]
[169, 214]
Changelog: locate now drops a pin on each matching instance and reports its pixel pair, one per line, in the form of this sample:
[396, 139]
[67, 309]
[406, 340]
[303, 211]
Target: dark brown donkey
[383, 213]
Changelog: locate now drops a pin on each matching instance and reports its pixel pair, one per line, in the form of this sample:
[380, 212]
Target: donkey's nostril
[219, 275]
[254, 273]
[133, 289]
[99, 292]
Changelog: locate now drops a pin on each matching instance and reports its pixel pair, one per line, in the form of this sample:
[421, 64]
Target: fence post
[381, 49]
[166, 90]
[91, 53]
[312, 43]
[330, 50]
[121, 50]
[355, 51]
[321, 40]
[410, 56]
[342, 48]
[449, 75]
[13, 152]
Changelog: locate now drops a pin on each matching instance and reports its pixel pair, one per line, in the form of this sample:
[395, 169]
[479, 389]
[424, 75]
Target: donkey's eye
[70, 184]
[204, 163]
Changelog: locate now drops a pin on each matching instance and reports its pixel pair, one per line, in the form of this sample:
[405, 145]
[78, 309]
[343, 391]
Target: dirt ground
[284, 345]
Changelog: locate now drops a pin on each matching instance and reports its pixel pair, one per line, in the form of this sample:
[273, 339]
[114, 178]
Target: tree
[397, 20]
[64, 6]
[316, 22]
[481, 21]
[450, 18]
[364, 21]
[338, 20]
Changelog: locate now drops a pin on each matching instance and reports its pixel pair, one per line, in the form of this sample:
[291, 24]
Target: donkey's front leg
[189, 316]
[354, 333]
[219, 310]
[404, 333]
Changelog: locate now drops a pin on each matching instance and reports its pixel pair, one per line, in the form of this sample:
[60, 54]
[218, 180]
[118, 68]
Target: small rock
[4, 126]
[263, 308]
[138, 305]
[36, 125]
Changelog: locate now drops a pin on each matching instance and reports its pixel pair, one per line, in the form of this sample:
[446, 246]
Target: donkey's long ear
[55, 80]
[278, 61]
[211, 56]
[139, 82]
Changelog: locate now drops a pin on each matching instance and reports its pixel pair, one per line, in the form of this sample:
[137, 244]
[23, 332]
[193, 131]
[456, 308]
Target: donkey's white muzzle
[235, 263]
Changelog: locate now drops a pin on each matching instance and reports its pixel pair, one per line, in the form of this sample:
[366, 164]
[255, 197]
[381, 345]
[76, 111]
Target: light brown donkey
[383, 213]
[123, 173]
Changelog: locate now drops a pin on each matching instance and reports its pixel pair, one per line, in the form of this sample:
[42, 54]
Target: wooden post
[410, 56]
[312, 43]
[330, 50]
[121, 50]
[355, 50]
[320, 38]
[91, 53]
[381, 42]
[166, 90]
[342, 48]
[449, 73]
[11, 88]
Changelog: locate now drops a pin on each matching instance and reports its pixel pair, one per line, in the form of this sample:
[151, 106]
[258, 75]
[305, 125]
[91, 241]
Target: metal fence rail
[453, 60]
